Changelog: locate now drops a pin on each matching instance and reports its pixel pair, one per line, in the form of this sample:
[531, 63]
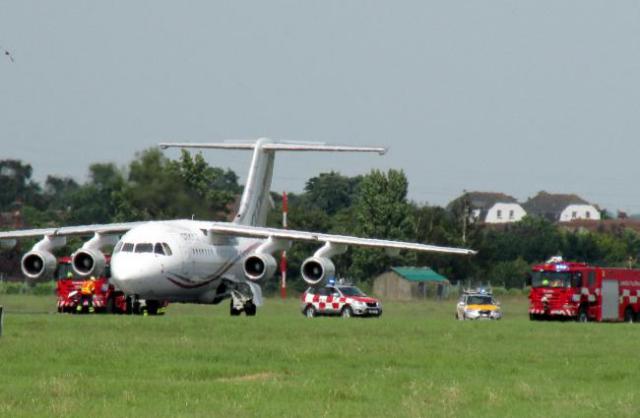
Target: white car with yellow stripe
[478, 305]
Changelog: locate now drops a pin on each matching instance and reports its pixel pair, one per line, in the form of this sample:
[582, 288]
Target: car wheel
[582, 315]
[309, 311]
[629, 316]
[346, 312]
[111, 305]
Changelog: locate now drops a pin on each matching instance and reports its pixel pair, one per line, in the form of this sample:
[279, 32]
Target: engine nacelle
[316, 269]
[259, 266]
[38, 264]
[88, 262]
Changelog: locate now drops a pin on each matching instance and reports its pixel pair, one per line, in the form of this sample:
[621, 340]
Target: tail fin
[254, 205]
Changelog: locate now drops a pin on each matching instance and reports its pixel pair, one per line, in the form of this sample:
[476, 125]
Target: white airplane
[203, 261]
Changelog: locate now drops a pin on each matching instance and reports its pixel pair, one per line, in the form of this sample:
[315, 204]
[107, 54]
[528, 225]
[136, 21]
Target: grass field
[414, 361]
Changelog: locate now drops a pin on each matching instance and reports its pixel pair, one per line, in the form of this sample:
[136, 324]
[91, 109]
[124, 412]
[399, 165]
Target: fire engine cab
[105, 298]
[582, 292]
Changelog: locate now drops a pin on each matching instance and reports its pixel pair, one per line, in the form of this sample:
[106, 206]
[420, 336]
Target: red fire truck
[582, 292]
[105, 297]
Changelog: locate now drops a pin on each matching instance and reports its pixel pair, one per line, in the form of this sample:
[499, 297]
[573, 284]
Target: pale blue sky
[511, 96]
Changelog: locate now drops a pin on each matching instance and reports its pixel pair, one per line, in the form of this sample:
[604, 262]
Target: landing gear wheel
[233, 311]
[250, 309]
[309, 312]
[152, 307]
[346, 312]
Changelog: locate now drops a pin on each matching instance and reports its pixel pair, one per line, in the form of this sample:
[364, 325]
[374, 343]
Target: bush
[514, 291]
[24, 288]
[499, 291]
[45, 288]
[13, 288]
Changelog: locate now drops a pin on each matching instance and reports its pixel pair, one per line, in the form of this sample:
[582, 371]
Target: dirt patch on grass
[254, 377]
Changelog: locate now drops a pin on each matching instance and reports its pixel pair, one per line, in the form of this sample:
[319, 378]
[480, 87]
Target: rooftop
[419, 274]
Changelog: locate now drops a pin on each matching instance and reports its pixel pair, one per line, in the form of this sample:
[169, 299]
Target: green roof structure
[419, 274]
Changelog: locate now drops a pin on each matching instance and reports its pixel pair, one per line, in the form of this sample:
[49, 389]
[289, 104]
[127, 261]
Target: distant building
[408, 283]
[561, 207]
[491, 208]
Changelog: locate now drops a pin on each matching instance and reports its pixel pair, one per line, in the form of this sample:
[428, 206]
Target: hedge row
[24, 288]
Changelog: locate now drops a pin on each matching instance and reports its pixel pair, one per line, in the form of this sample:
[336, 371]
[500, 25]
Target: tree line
[153, 187]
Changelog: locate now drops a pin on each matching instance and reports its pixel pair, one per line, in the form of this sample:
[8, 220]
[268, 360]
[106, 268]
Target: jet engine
[316, 269]
[38, 264]
[259, 266]
[88, 262]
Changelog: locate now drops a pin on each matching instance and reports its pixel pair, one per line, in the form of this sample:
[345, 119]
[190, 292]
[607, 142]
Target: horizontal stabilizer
[274, 146]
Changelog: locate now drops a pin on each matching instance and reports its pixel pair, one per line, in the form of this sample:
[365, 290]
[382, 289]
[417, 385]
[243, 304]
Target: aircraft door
[159, 255]
[187, 259]
[610, 300]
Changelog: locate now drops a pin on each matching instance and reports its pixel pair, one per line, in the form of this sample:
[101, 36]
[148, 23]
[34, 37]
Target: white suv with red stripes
[342, 300]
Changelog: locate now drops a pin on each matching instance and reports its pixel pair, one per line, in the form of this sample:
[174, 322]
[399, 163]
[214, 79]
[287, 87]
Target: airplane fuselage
[177, 261]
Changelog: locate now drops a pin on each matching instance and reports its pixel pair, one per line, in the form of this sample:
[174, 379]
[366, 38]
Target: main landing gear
[240, 303]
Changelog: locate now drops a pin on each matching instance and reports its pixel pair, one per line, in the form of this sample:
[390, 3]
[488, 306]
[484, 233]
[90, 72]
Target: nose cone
[134, 273]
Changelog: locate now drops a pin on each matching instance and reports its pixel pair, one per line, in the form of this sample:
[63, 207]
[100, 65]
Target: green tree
[381, 211]
[438, 226]
[331, 192]
[512, 273]
[158, 188]
[16, 185]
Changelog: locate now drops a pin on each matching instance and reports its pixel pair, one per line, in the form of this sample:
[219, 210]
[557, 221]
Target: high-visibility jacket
[88, 287]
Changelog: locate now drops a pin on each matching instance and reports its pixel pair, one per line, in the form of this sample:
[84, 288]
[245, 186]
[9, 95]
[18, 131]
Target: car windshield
[555, 279]
[479, 300]
[351, 291]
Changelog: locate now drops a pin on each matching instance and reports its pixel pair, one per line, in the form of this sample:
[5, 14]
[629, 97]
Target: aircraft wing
[293, 235]
[116, 228]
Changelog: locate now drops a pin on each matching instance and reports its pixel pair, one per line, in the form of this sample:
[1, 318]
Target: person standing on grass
[86, 292]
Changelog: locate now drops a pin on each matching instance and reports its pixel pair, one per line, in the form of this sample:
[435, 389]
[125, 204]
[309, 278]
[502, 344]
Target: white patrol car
[477, 305]
[343, 300]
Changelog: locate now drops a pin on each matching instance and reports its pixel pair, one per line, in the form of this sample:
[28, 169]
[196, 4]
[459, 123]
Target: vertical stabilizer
[256, 203]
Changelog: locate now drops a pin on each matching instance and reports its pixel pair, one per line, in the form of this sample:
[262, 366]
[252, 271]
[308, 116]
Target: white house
[491, 208]
[561, 207]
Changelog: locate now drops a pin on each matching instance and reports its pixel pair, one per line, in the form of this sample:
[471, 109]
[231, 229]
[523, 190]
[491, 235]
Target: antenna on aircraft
[7, 53]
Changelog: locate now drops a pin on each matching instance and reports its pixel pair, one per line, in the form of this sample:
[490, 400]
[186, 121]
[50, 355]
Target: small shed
[410, 283]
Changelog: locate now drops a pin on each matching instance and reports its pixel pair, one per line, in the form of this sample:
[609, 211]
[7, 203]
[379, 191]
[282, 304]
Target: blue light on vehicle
[331, 281]
[562, 267]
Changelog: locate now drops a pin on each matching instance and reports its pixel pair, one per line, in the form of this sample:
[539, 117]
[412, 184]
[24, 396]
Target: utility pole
[283, 258]
[465, 216]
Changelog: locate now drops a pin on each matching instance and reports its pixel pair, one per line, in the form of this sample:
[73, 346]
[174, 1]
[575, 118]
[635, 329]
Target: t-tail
[255, 202]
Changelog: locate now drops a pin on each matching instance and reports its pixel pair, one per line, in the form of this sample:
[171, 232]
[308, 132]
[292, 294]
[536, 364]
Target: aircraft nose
[129, 271]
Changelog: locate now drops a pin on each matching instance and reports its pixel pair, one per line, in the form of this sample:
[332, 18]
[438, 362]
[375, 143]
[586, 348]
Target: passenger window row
[161, 248]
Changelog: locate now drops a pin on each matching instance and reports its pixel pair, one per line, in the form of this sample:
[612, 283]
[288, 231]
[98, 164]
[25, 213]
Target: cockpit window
[157, 249]
[127, 247]
[118, 247]
[167, 249]
[144, 248]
